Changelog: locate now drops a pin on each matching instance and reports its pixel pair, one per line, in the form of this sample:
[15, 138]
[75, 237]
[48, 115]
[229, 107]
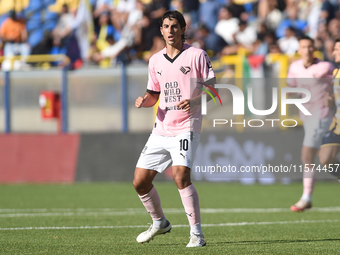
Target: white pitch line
[229, 224]
[68, 212]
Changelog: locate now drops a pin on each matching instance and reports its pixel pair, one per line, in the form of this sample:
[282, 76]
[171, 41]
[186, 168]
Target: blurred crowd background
[100, 32]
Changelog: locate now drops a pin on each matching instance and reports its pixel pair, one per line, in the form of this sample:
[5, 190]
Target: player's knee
[181, 181]
[138, 185]
[142, 187]
[306, 159]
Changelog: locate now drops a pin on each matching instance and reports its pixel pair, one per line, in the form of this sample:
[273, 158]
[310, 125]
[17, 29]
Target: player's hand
[328, 100]
[184, 105]
[188, 104]
[140, 101]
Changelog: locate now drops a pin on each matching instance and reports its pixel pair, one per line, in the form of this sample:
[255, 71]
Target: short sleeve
[153, 84]
[206, 69]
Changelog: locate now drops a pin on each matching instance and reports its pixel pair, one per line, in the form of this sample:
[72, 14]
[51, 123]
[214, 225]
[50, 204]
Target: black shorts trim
[331, 139]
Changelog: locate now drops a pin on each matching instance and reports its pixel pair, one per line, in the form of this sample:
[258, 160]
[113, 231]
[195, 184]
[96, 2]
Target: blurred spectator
[45, 46]
[120, 13]
[274, 48]
[177, 5]
[82, 27]
[58, 4]
[265, 38]
[13, 33]
[120, 26]
[62, 33]
[289, 44]
[128, 36]
[313, 17]
[191, 7]
[245, 38]
[334, 28]
[324, 41]
[238, 11]
[189, 29]
[105, 29]
[269, 13]
[97, 56]
[208, 14]
[328, 11]
[93, 50]
[210, 42]
[71, 36]
[227, 25]
[291, 21]
[156, 9]
[100, 6]
[149, 40]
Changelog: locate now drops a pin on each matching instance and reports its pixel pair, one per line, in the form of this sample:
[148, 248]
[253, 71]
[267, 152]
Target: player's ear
[183, 30]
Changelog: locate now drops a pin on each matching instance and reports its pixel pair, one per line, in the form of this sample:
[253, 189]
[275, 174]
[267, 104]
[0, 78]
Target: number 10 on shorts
[184, 144]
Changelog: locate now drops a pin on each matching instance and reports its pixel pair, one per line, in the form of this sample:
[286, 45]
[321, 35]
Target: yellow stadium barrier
[37, 59]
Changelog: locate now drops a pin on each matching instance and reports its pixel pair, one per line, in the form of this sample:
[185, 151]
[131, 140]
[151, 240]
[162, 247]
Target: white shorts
[162, 151]
[315, 130]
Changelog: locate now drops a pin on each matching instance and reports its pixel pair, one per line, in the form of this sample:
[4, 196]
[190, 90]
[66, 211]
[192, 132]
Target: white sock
[307, 197]
[159, 223]
[196, 229]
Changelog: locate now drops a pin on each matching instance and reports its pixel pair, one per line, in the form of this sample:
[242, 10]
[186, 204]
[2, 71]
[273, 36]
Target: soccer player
[331, 141]
[177, 128]
[308, 73]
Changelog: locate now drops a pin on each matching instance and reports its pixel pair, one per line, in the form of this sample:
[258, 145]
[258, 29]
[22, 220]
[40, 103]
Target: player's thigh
[183, 148]
[315, 129]
[328, 154]
[154, 156]
[330, 144]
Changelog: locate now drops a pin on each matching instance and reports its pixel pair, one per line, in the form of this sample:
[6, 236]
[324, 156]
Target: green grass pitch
[105, 218]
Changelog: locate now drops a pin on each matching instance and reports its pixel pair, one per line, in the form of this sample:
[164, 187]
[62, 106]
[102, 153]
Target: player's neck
[173, 50]
[308, 62]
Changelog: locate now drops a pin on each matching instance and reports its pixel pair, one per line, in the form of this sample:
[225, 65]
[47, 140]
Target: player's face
[336, 52]
[172, 32]
[306, 49]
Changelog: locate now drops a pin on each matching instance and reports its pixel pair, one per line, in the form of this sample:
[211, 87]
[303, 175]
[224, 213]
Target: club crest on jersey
[185, 69]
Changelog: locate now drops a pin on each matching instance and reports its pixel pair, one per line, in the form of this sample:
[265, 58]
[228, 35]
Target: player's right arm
[148, 100]
[153, 90]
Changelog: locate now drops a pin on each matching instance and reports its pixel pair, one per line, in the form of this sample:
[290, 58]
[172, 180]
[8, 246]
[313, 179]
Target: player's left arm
[188, 104]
